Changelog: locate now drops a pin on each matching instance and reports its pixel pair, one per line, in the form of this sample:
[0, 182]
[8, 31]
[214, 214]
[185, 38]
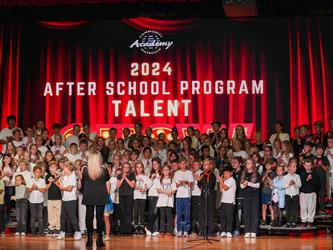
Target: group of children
[199, 185]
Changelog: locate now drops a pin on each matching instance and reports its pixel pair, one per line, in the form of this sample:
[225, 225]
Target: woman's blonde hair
[94, 165]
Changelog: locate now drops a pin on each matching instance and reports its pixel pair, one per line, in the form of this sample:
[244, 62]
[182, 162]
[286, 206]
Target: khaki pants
[308, 207]
[53, 211]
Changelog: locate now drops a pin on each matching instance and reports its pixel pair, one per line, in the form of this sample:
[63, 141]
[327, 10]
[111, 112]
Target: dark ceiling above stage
[106, 9]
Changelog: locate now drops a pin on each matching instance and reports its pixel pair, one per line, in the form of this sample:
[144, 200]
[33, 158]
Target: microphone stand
[205, 237]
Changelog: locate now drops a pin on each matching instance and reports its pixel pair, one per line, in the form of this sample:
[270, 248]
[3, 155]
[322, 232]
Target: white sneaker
[22, 234]
[185, 234]
[247, 235]
[223, 234]
[179, 234]
[61, 235]
[253, 235]
[229, 235]
[148, 233]
[175, 232]
[107, 238]
[17, 234]
[77, 236]
[155, 234]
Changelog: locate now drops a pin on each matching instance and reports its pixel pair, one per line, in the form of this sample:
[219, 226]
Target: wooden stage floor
[322, 241]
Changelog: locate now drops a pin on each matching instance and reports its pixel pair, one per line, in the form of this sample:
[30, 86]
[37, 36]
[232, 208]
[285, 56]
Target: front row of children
[282, 190]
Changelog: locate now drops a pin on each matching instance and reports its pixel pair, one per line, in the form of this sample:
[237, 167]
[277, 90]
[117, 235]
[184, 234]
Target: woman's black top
[94, 191]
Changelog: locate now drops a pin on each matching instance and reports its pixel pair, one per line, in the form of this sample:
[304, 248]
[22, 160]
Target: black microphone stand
[205, 237]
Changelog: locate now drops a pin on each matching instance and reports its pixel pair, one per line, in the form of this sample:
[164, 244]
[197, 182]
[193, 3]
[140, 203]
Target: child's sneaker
[155, 234]
[148, 233]
[223, 234]
[253, 235]
[247, 235]
[77, 236]
[179, 234]
[236, 233]
[229, 235]
[23, 234]
[185, 234]
[61, 236]
[107, 238]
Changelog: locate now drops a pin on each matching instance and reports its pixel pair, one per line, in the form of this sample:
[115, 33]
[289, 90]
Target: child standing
[321, 167]
[278, 195]
[36, 188]
[266, 192]
[54, 199]
[184, 182]
[2, 206]
[195, 197]
[207, 184]
[329, 154]
[292, 183]
[166, 190]
[114, 198]
[126, 185]
[236, 165]
[20, 197]
[153, 182]
[140, 197]
[250, 183]
[69, 201]
[228, 190]
[308, 197]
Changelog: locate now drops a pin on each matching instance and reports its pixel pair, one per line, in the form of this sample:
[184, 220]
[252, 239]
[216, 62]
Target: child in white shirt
[36, 188]
[140, 197]
[69, 201]
[228, 190]
[166, 190]
[184, 181]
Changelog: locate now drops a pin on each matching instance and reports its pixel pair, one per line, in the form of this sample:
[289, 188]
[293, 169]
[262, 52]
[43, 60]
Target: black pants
[115, 219]
[238, 213]
[2, 218]
[153, 214]
[166, 220]
[292, 208]
[251, 213]
[36, 210]
[195, 213]
[45, 218]
[9, 192]
[125, 209]
[139, 211]
[210, 203]
[69, 212]
[227, 217]
[322, 193]
[21, 215]
[90, 218]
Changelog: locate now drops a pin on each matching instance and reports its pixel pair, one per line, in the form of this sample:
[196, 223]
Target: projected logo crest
[151, 42]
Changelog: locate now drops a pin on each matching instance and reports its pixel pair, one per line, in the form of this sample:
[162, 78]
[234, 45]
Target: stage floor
[322, 241]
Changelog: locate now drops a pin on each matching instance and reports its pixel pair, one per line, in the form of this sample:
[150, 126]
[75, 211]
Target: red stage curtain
[168, 26]
[63, 25]
[10, 42]
[311, 88]
[58, 58]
